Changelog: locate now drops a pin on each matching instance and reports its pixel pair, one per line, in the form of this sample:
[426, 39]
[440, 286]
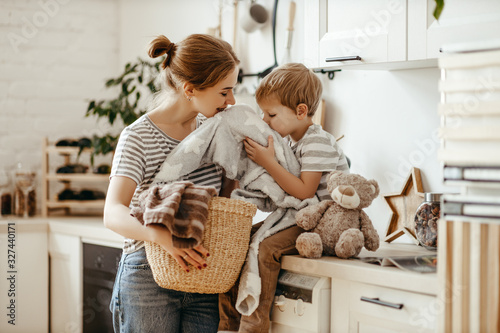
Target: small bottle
[426, 220]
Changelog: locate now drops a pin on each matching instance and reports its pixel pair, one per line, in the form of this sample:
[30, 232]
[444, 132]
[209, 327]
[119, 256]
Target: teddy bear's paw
[372, 243]
[309, 245]
[307, 218]
[350, 243]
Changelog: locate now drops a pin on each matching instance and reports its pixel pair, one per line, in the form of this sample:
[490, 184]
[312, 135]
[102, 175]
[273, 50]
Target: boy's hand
[260, 154]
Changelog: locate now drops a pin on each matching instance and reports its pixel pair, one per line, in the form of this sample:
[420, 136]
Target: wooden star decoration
[403, 206]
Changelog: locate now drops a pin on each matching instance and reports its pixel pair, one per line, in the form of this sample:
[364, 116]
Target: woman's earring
[188, 98]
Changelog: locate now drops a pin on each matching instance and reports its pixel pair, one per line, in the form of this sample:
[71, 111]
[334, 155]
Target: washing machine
[302, 304]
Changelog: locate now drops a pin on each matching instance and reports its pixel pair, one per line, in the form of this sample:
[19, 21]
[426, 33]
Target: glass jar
[426, 220]
[5, 193]
[20, 202]
[6, 203]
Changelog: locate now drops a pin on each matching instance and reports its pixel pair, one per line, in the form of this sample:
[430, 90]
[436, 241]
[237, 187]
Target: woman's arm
[302, 187]
[117, 218]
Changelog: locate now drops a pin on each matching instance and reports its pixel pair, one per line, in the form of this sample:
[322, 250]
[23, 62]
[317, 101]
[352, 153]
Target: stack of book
[470, 134]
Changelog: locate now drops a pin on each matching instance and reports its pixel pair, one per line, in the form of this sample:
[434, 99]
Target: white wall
[140, 22]
[55, 55]
[390, 122]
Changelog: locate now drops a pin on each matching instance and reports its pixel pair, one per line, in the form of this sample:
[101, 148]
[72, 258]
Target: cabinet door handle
[346, 58]
[383, 303]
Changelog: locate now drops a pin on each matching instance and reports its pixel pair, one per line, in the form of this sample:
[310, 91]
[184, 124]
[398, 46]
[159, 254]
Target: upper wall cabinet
[392, 34]
[353, 32]
[474, 24]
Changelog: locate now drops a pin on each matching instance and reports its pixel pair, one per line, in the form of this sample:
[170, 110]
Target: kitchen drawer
[381, 309]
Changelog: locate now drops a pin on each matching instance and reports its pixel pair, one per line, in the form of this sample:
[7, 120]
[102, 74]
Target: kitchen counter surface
[356, 270]
[90, 229]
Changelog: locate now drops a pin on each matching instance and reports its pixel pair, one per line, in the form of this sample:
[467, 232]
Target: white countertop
[90, 229]
[356, 270]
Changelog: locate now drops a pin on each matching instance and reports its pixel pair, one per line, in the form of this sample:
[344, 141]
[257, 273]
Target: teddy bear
[339, 227]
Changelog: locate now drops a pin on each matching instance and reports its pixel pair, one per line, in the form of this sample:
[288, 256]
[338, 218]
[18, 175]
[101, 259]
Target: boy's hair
[292, 84]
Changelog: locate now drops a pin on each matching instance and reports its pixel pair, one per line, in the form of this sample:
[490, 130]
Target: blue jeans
[139, 305]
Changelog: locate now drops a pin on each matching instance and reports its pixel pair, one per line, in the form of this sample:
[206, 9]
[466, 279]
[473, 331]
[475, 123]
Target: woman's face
[214, 99]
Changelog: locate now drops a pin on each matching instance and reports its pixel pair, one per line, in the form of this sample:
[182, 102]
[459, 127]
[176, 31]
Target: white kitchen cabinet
[383, 289]
[371, 308]
[355, 32]
[65, 283]
[461, 22]
[394, 34]
[66, 239]
[24, 285]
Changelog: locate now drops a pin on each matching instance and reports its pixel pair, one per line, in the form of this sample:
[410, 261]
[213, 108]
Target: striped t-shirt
[140, 152]
[318, 151]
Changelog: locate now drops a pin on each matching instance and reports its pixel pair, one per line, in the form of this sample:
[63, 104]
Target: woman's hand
[117, 218]
[261, 155]
[183, 257]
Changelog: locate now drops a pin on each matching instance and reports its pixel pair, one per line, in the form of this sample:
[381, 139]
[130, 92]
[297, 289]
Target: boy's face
[279, 117]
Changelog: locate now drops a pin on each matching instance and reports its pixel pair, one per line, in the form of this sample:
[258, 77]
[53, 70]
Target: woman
[199, 73]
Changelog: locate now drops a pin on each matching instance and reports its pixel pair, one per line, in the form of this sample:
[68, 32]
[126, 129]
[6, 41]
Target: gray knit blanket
[220, 140]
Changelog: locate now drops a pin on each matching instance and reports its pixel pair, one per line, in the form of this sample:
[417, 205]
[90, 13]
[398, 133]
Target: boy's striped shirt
[318, 151]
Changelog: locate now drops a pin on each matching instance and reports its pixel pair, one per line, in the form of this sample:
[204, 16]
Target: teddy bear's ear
[375, 187]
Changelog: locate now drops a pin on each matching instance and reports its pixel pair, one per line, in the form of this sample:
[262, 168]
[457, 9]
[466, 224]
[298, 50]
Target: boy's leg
[229, 316]
[270, 251]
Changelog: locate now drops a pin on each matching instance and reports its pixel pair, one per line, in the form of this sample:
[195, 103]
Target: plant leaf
[110, 82]
[438, 9]
[135, 76]
[90, 107]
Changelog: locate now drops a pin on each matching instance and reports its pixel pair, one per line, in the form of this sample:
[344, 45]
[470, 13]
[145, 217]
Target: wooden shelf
[76, 204]
[48, 176]
[67, 150]
[78, 177]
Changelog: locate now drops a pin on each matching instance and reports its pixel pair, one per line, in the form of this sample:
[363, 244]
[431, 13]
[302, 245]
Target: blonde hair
[201, 60]
[292, 84]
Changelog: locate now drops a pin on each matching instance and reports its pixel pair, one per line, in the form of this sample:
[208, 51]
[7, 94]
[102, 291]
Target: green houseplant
[137, 80]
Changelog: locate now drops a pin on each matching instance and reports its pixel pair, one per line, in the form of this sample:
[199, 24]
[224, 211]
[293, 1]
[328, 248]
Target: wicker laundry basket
[226, 237]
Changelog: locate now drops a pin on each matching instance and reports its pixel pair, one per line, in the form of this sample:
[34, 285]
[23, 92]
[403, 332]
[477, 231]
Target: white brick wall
[55, 56]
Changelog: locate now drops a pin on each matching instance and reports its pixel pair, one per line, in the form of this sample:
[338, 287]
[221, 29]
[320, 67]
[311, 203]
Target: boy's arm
[228, 186]
[301, 188]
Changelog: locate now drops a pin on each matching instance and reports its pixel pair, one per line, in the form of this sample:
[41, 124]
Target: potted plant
[137, 80]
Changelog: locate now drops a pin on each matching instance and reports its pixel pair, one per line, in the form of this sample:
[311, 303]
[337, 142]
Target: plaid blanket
[181, 206]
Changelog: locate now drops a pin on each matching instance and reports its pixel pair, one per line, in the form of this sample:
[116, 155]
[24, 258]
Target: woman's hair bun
[159, 46]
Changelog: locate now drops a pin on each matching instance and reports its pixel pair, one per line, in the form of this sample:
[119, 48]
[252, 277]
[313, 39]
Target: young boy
[288, 97]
